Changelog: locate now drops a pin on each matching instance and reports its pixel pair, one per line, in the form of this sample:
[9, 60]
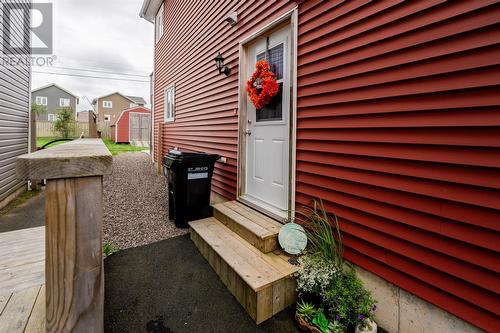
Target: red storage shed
[132, 126]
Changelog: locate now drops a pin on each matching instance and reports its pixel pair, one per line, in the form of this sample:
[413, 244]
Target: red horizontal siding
[206, 101]
[398, 131]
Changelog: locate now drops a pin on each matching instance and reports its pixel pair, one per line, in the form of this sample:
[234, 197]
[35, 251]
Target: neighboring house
[54, 98]
[85, 105]
[132, 126]
[87, 118]
[15, 129]
[109, 107]
[387, 110]
[83, 116]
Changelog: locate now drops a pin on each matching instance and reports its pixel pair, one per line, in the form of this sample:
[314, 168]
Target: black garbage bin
[189, 181]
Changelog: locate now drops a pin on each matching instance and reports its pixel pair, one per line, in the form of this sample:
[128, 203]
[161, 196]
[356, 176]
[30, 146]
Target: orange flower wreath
[262, 86]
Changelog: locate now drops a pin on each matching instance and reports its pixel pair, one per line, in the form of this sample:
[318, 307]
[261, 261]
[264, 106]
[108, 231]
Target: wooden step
[263, 283]
[257, 229]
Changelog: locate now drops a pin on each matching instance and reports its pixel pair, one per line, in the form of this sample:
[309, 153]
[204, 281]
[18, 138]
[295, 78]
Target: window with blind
[41, 100]
[169, 113]
[64, 102]
[159, 24]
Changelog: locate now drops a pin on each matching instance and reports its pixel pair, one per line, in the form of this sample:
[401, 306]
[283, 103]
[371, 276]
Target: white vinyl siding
[107, 104]
[64, 102]
[14, 112]
[41, 100]
[169, 113]
[159, 24]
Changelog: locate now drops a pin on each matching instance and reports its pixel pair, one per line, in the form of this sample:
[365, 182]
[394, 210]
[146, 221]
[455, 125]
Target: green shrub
[347, 301]
[65, 122]
[38, 109]
[326, 280]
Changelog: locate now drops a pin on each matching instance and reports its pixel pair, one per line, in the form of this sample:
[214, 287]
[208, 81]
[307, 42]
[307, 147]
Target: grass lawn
[46, 139]
[114, 148]
[117, 148]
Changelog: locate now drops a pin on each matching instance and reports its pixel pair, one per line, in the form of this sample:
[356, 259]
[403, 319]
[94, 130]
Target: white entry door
[268, 129]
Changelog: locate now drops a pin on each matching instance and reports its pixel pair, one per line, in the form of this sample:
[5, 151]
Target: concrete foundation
[12, 196]
[399, 311]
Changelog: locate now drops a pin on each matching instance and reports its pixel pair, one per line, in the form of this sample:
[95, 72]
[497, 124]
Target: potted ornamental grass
[331, 298]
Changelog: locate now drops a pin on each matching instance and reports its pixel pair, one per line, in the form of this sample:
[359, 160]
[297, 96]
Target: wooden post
[33, 131]
[92, 125]
[159, 149]
[74, 274]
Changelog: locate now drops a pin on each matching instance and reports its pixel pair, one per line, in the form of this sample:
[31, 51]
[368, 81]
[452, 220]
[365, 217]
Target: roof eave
[116, 92]
[149, 9]
[54, 85]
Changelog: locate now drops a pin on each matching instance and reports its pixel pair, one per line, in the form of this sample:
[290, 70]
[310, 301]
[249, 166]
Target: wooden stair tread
[243, 221]
[257, 229]
[259, 278]
[257, 269]
[272, 226]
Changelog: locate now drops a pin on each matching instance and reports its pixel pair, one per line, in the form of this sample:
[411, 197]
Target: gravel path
[135, 203]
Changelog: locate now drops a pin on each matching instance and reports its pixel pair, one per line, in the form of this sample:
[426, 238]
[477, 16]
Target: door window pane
[273, 110]
[275, 60]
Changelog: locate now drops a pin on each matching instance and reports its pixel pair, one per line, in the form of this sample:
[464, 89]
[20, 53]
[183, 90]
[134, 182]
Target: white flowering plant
[315, 274]
[328, 282]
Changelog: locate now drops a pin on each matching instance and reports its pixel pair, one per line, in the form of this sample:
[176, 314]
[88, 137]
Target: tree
[38, 109]
[64, 122]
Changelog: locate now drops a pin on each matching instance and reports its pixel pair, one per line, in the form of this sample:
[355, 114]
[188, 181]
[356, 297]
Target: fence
[46, 128]
[105, 131]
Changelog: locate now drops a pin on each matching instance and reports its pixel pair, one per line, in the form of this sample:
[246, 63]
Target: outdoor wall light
[219, 63]
[232, 18]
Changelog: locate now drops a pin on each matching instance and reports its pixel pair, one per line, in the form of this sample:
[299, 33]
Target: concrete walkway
[27, 215]
[166, 286]
[169, 287]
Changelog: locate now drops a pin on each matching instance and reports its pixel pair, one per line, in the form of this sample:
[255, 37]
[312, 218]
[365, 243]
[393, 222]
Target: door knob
[248, 132]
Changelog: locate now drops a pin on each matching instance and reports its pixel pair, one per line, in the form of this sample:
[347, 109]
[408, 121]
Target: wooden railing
[74, 272]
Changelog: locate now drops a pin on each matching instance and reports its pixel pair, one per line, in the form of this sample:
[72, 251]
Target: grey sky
[101, 35]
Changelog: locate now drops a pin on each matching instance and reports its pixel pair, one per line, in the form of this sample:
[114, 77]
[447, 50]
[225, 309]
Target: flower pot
[370, 327]
[305, 326]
